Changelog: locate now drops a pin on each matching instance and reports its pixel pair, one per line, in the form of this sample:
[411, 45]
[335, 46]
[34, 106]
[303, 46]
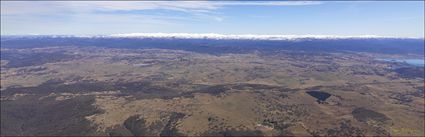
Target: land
[154, 91]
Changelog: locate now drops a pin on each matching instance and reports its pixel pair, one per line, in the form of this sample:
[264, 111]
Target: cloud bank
[34, 7]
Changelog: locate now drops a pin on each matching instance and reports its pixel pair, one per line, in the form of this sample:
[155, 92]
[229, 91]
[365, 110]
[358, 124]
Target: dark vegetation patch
[345, 129]
[280, 125]
[260, 87]
[365, 70]
[214, 90]
[145, 90]
[178, 83]
[363, 115]
[158, 77]
[170, 128]
[244, 86]
[31, 70]
[410, 72]
[136, 126]
[420, 92]
[29, 116]
[285, 133]
[57, 86]
[233, 132]
[218, 89]
[140, 90]
[329, 67]
[407, 97]
[401, 98]
[319, 95]
[119, 131]
[33, 59]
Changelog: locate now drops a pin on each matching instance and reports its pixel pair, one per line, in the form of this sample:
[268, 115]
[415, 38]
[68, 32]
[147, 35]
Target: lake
[319, 95]
[415, 62]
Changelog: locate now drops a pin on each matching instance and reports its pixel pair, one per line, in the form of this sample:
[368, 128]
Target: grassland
[154, 92]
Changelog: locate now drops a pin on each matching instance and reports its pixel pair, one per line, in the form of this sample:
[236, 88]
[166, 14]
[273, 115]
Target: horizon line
[217, 36]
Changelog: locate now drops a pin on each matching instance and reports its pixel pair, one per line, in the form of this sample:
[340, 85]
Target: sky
[345, 18]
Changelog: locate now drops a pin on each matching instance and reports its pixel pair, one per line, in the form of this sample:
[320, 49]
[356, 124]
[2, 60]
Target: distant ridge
[249, 36]
[214, 36]
[219, 44]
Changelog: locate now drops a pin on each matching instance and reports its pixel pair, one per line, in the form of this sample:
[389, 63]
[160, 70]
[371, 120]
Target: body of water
[319, 95]
[415, 62]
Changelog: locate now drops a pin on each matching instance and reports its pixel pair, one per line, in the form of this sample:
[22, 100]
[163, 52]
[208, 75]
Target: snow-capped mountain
[212, 36]
[245, 37]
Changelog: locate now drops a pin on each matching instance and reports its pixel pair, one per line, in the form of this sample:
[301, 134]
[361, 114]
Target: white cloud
[27, 7]
[269, 3]
[198, 9]
[23, 16]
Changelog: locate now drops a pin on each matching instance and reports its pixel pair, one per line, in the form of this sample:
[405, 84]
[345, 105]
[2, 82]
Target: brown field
[153, 92]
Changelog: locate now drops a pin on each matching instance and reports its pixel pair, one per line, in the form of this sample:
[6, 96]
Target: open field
[93, 90]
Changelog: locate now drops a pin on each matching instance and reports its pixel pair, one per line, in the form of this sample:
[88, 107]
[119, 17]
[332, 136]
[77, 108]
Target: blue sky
[390, 18]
